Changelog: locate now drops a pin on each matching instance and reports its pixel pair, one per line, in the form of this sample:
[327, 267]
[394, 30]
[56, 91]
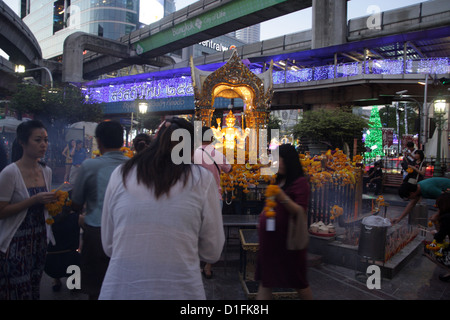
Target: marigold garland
[242, 176]
[271, 191]
[127, 152]
[437, 248]
[380, 200]
[330, 167]
[56, 207]
[336, 211]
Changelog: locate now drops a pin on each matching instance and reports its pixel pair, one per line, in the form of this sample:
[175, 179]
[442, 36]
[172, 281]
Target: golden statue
[227, 136]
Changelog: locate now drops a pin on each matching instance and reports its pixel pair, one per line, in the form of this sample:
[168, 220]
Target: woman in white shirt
[161, 216]
[23, 231]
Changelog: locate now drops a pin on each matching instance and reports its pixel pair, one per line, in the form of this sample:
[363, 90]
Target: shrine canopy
[233, 80]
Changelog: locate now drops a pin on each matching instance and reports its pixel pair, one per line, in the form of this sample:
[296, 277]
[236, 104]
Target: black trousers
[376, 182]
[94, 262]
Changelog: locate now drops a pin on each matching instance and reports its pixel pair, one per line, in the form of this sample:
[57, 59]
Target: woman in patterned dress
[23, 235]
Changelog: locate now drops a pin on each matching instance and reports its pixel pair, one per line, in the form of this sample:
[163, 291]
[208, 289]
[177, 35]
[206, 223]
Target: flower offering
[336, 211]
[330, 167]
[127, 152]
[56, 207]
[271, 191]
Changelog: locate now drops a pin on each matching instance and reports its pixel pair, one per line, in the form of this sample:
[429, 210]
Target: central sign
[208, 20]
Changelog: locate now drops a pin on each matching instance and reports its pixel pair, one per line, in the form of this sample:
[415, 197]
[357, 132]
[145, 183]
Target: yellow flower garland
[331, 167]
[127, 152]
[271, 191]
[336, 211]
[243, 176]
[55, 208]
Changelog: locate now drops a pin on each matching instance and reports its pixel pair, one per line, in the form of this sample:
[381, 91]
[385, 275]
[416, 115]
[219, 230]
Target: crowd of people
[132, 213]
[148, 223]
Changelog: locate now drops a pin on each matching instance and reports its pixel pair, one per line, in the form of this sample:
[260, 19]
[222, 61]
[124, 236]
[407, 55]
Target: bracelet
[285, 200]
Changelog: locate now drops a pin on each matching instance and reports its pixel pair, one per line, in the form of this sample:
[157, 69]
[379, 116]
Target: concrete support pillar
[72, 70]
[76, 43]
[329, 23]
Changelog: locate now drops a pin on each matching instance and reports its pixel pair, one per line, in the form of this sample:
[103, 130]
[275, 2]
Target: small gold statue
[227, 136]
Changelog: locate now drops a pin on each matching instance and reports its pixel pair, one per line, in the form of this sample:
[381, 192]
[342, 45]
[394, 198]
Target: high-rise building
[248, 35]
[51, 21]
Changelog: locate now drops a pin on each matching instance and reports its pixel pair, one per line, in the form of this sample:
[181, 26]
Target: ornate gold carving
[233, 80]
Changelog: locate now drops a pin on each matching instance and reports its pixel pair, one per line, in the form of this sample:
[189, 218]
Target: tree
[55, 106]
[332, 127]
[389, 119]
[374, 138]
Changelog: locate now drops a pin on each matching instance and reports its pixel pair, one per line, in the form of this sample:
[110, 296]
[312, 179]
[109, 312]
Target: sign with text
[388, 137]
[208, 20]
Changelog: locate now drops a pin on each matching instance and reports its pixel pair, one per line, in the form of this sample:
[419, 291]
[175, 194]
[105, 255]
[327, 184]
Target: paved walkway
[418, 280]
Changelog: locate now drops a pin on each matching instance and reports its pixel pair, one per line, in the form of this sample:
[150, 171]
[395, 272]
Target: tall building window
[58, 15]
[100, 31]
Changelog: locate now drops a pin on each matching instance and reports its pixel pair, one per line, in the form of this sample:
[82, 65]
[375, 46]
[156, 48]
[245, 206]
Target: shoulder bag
[298, 235]
[414, 180]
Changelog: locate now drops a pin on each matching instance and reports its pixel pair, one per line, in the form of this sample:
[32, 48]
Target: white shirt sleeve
[7, 183]
[211, 237]
[107, 229]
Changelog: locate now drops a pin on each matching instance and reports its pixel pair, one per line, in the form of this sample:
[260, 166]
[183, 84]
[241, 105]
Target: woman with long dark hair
[278, 267]
[161, 217]
[417, 168]
[23, 232]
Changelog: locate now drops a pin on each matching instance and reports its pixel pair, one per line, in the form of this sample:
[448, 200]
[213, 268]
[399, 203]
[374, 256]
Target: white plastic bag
[376, 221]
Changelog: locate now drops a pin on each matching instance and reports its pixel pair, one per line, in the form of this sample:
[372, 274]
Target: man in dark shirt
[375, 177]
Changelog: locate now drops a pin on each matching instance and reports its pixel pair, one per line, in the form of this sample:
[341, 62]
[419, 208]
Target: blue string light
[181, 86]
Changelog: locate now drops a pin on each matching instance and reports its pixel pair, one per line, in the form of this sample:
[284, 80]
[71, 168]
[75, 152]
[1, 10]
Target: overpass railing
[376, 67]
[165, 87]
[392, 165]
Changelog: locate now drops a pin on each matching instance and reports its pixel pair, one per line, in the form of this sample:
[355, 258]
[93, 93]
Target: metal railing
[392, 165]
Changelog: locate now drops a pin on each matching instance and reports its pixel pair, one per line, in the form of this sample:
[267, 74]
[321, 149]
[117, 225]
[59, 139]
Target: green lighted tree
[374, 138]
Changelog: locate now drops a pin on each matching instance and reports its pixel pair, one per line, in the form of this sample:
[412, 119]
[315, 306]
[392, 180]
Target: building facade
[52, 21]
[248, 35]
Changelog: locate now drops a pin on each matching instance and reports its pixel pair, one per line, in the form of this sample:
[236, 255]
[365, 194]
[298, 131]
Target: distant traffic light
[444, 81]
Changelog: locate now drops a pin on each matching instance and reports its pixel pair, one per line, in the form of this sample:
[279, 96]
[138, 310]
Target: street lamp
[142, 108]
[21, 69]
[439, 112]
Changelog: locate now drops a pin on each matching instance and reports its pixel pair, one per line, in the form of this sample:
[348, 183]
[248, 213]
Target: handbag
[298, 235]
[416, 179]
